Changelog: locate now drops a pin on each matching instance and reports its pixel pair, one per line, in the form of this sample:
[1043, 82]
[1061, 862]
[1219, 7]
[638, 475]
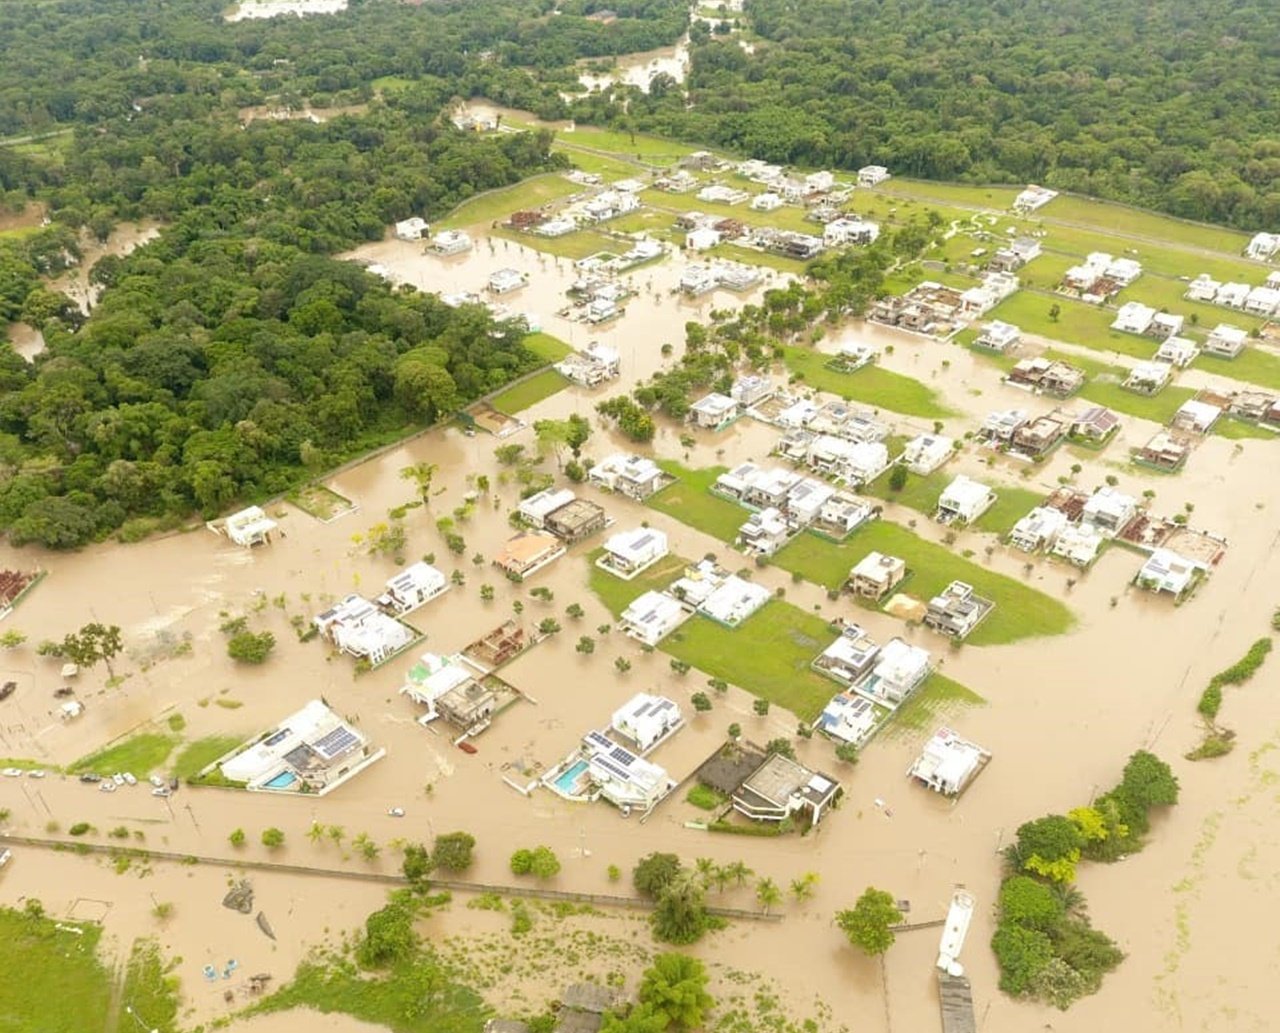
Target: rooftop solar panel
[339, 740]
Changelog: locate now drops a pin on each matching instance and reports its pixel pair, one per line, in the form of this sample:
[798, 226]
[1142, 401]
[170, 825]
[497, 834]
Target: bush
[246, 647]
[453, 851]
[79, 828]
[654, 873]
[272, 838]
[705, 797]
[521, 862]
[237, 838]
[1022, 954]
[1210, 702]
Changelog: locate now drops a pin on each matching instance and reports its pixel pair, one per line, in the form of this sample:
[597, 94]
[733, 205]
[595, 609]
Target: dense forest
[1169, 104]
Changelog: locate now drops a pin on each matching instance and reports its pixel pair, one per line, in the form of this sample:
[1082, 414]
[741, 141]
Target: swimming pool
[567, 783]
[282, 781]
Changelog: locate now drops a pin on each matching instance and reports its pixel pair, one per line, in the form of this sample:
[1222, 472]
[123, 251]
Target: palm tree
[421, 474]
[316, 832]
[767, 894]
[367, 847]
[1072, 900]
[739, 872]
[336, 832]
[721, 877]
[706, 869]
[802, 888]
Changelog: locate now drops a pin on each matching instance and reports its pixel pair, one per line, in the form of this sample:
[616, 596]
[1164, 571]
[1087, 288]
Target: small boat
[466, 747]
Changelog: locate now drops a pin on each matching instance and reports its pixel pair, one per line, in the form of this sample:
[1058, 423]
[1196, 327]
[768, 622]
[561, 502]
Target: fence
[386, 878]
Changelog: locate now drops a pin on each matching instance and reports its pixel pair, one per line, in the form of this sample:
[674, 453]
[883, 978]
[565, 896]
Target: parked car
[162, 791]
[129, 779]
[107, 787]
[35, 773]
[90, 777]
[156, 781]
[5, 857]
[118, 779]
[396, 812]
[14, 772]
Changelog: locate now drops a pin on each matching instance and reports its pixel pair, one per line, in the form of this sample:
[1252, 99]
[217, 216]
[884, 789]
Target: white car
[14, 772]
[162, 791]
[129, 779]
[396, 812]
[5, 857]
[35, 773]
[118, 779]
[156, 781]
[107, 787]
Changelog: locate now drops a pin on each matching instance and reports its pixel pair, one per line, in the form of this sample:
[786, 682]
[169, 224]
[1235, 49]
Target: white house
[358, 628]
[1177, 351]
[450, 242]
[1166, 571]
[698, 279]
[1033, 197]
[1108, 510]
[249, 527]
[900, 670]
[764, 532]
[734, 600]
[647, 720]
[504, 281]
[876, 574]
[629, 553]
[413, 228]
[1039, 529]
[651, 617]
[536, 508]
[1148, 377]
[1225, 341]
[1133, 318]
[622, 778]
[1263, 246]
[412, 587]
[845, 231]
[719, 194]
[771, 487]
[819, 182]
[1002, 424]
[849, 657]
[781, 787]
[964, 500]
[1203, 288]
[766, 202]
[750, 389]
[948, 763]
[1078, 544]
[927, 452]
[703, 239]
[1262, 301]
[998, 337]
[872, 175]
[1195, 416]
[635, 476]
[1233, 295]
[714, 411]
[805, 501]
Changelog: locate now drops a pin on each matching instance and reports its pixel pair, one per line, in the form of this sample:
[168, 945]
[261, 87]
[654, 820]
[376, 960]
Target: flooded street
[1062, 715]
[639, 69]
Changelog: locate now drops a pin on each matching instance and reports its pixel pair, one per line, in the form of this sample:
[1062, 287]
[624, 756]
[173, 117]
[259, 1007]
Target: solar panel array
[336, 742]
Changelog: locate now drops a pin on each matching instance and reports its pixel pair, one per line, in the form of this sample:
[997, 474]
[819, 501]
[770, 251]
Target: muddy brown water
[1193, 911]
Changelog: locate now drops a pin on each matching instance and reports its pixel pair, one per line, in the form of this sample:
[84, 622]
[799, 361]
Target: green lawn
[497, 204]
[140, 754]
[870, 385]
[938, 700]
[547, 347]
[690, 501]
[610, 168]
[618, 594]
[149, 988]
[1157, 408]
[51, 965]
[1021, 611]
[1077, 323]
[768, 655]
[1120, 219]
[753, 257]
[391, 84]
[921, 494]
[653, 148]
[195, 756]
[997, 197]
[788, 217]
[578, 244]
[1234, 430]
[1010, 506]
[529, 392]
[1253, 365]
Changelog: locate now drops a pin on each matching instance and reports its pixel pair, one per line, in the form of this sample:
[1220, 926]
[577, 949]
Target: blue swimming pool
[282, 781]
[567, 783]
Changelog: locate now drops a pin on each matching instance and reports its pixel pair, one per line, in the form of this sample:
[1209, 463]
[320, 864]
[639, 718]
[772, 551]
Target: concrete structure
[998, 337]
[1000, 425]
[1133, 317]
[504, 281]
[635, 476]
[766, 202]
[313, 751]
[249, 527]
[414, 586]
[1016, 254]
[1109, 510]
[750, 389]
[1225, 341]
[1095, 424]
[963, 501]
[651, 617]
[1263, 246]
[630, 553]
[1040, 436]
[957, 610]
[576, 520]
[1177, 351]
[845, 231]
[536, 508]
[1148, 378]
[1039, 529]
[849, 718]
[875, 575]
[528, 552]
[358, 628]
[925, 453]
[594, 365]
[1044, 376]
[1166, 571]
[1032, 198]
[714, 411]
[850, 657]
[764, 532]
[1078, 545]
[647, 720]
[734, 600]
[900, 669]
[413, 228]
[948, 763]
[1196, 416]
[872, 175]
[1163, 451]
[450, 242]
[781, 787]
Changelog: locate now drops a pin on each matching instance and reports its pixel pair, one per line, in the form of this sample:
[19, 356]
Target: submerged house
[900, 669]
[948, 763]
[651, 617]
[629, 553]
[963, 501]
[249, 527]
[360, 629]
[528, 552]
[647, 720]
[957, 610]
[414, 586]
[1167, 571]
[781, 787]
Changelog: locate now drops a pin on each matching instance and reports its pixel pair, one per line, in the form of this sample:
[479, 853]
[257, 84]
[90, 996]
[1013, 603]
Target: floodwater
[123, 240]
[640, 68]
[307, 113]
[1192, 911]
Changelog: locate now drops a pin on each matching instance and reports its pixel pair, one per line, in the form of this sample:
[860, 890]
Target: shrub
[237, 838]
[654, 873]
[249, 648]
[79, 828]
[453, 851]
[272, 838]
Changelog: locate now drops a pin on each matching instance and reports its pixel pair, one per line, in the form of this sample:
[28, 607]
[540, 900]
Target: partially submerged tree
[867, 924]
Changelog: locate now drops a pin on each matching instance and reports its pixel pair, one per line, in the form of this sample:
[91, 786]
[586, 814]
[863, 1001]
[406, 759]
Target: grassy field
[618, 594]
[751, 256]
[768, 655]
[140, 754]
[1120, 219]
[547, 347]
[197, 755]
[998, 197]
[149, 989]
[690, 501]
[919, 493]
[391, 84]
[574, 245]
[529, 392]
[1077, 323]
[938, 700]
[870, 385]
[496, 204]
[1252, 364]
[47, 965]
[654, 149]
[788, 217]
[588, 161]
[1010, 506]
[1157, 408]
[1021, 611]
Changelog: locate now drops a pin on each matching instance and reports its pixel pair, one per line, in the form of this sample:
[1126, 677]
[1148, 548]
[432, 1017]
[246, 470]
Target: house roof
[591, 997]
[526, 547]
